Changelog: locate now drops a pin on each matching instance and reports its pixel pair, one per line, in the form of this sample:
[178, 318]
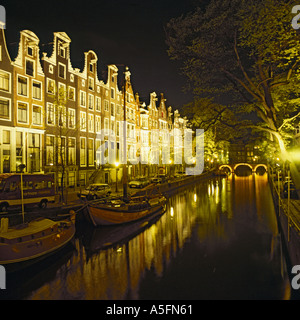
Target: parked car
[293, 191]
[139, 183]
[156, 180]
[95, 191]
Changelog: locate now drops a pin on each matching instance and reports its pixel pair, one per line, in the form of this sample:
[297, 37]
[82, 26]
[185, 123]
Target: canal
[218, 239]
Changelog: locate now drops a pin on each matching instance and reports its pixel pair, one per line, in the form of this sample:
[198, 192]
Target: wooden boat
[31, 241]
[116, 235]
[117, 211]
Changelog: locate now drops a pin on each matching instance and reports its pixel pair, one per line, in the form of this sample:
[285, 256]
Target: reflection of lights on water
[209, 191]
[195, 197]
[172, 212]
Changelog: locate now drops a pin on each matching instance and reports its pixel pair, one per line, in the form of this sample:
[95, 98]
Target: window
[34, 152]
[19, 149]
[112, 109]
[112, 93]
[91, 102]
[91, 123]
[71, 151]
[118, 109]
[6, 137]
[62, 51]
[98, 104]
[37, 115]
[91, 67]
[62, 116]
[22, 112]
[82, 151]
[29, 68]
[106, 105]
[82, 121]
[71, 94]
[4, 81]
[22, 86]
[91, 84]
[106, 126]
[49, 150]
[50, 86]
[51, 68]
[91, 152]
[50, 114]
[82, 98]
[30, 51]
[61, 71]
[98, 124]
[4, 109]
[37, 90]
[71, 118]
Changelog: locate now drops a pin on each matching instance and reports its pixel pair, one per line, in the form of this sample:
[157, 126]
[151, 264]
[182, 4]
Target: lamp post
[117, 169]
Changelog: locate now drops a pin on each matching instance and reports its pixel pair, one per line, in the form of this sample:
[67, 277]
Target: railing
[282, 207]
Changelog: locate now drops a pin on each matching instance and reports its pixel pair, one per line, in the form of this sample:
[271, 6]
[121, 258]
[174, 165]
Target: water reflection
[217, 239]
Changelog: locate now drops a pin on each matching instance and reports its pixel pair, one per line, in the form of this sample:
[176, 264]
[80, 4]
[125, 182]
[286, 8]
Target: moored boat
[118, 211]
[26, 243]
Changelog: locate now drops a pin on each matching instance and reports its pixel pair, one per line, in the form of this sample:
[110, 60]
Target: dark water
[217, 240]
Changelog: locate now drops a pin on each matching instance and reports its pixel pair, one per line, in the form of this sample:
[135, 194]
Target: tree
[244, 55]
[65, 127]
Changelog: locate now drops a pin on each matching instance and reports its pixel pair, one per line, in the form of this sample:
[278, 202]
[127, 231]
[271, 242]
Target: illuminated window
[4, 81]
[91, 123]
[4, 109]
[50, 114]
[22, 112]
[98, 104]
[22, 86]
[82, 151]
[71, 118]
[82, 121]
[91, 102]
[71, 151]
[36, 115]
[71, 94]
[37, 90]
[91, 152]
[82, 98]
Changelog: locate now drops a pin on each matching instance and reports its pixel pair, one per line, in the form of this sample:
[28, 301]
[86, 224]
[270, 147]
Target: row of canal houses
[51, 115]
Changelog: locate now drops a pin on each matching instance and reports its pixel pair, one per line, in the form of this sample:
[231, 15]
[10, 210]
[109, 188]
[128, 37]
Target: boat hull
[17, 252]
[106, 216]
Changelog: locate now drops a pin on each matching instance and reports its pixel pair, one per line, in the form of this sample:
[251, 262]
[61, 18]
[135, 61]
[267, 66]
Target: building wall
[58, 119]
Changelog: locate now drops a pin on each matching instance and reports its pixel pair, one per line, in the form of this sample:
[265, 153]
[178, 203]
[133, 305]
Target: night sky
[129, 32]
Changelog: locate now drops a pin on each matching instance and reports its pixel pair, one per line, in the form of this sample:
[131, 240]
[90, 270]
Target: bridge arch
[226, 166]
[242, 164]
[260, 165]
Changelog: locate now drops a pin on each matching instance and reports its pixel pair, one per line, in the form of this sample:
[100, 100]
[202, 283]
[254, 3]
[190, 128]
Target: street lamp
[117, 169]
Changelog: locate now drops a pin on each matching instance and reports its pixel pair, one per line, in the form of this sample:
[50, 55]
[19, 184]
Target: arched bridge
[252, 166]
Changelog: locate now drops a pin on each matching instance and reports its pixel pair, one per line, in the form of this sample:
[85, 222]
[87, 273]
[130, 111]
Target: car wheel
[43, 204]
[3, 207]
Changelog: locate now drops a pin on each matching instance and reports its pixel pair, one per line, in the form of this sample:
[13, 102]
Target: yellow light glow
[117, 164]
[172, 212]
[195, 197]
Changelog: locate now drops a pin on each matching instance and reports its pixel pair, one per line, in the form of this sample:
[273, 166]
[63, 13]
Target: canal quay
[218, 238]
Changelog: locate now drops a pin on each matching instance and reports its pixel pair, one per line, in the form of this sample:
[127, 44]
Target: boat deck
[33, 228]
